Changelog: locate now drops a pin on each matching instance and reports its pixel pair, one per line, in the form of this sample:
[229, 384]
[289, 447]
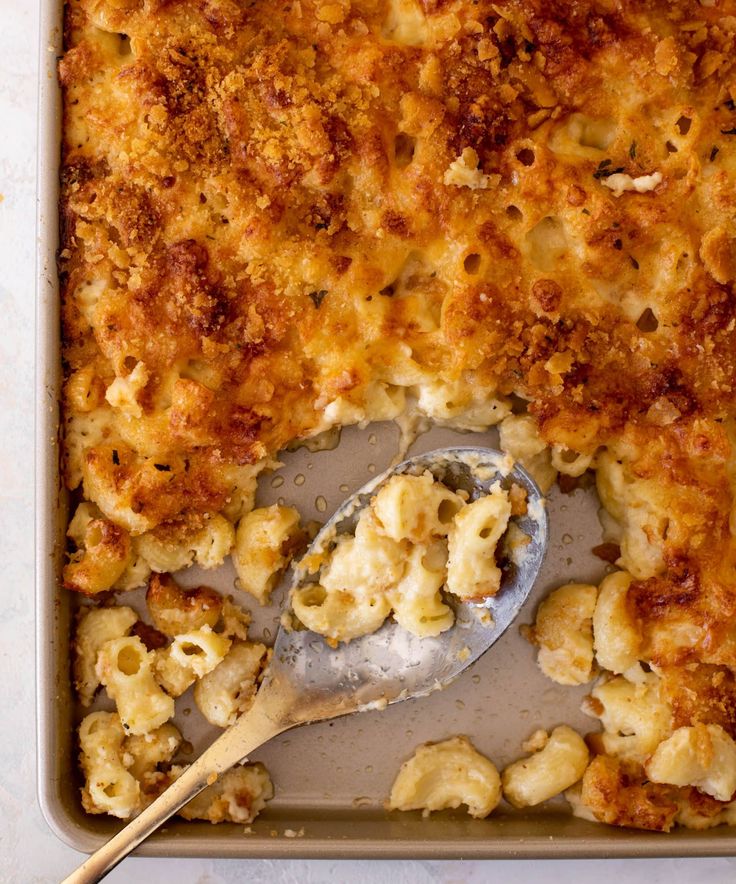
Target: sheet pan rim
[607, 844]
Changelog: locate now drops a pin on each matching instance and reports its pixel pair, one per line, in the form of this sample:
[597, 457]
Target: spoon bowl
[307, 680]
[391, 664]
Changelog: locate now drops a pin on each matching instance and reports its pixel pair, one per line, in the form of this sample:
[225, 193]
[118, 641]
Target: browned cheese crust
[276, 215]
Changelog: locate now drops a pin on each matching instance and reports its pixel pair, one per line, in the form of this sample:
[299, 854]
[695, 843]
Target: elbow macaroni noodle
[126, 669]
[190, 656]
[563, 631]
[228, 690]
[95, 628]
[559, 764]
[238, 796]
[472, 572]
[109, 786]
[445, 775]
[260, 556]
[703, 756]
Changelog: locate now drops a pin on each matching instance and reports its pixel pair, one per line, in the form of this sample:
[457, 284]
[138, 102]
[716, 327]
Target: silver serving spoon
[308, 681]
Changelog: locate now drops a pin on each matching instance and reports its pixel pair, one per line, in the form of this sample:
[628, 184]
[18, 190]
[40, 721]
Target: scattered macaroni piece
[634, 715]
[148, 751]
[264, 544]
[339, 616]
[559, 764]
[703, 756]
[148, 757]
[126, 669]
[367, 563]
[96, 627]
[189, 657]
[444, 775]
[103, 552]
[351, 599]
[417, 601]
[238, 796]
[175, 611]
[109, 787]
[228, 690]
[618, 792]
[616, 636]
[415, 508]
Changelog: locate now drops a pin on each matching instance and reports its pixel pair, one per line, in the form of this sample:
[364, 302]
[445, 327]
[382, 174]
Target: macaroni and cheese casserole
[282, 218]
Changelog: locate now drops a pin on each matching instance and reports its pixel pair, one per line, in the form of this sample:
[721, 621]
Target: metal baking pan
[332, 778]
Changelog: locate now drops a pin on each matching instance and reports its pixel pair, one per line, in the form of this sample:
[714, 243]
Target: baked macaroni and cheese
[282, 219]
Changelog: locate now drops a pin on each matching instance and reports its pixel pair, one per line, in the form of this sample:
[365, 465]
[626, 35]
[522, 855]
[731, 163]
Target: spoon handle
[253, 729]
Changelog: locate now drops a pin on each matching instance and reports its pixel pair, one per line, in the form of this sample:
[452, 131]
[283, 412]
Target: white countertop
[29, 852]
